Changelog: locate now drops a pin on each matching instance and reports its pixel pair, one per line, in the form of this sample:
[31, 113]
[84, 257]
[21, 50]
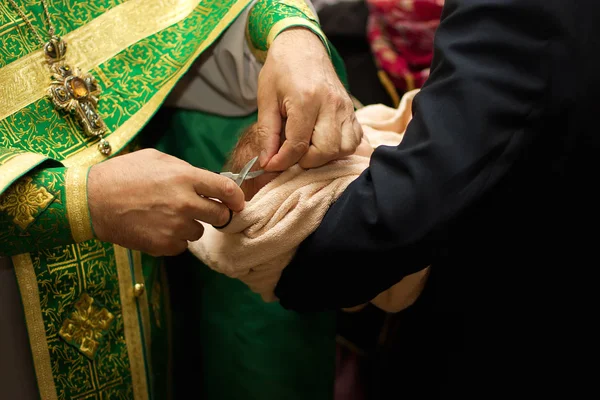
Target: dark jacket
[494, 186]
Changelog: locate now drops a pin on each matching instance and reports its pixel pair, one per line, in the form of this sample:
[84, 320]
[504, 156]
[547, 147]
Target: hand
[364, 149]
[150, 201]
[298, 84]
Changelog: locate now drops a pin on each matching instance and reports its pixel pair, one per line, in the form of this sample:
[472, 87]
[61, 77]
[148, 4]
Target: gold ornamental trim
[15, 167]
[133, 334]
[26, 80]
[77, 204]
[144, 307]
[123, 134]
[30, 298]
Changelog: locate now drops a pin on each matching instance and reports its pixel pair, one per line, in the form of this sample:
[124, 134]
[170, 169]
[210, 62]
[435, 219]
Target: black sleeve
[471, 120]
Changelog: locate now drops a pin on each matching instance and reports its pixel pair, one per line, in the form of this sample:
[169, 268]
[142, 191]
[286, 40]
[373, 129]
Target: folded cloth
[261, 240]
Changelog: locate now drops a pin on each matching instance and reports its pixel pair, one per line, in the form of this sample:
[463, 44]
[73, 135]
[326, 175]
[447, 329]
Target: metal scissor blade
[250, 175]
[245, 170]
[254, 174]
[244, 173]
[229, 175]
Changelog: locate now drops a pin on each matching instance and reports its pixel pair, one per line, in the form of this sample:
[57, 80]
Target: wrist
[299, 37]
[270, 19]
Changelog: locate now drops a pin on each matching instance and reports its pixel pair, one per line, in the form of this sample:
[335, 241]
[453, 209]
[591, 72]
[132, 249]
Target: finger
[175, 248]
[326, 142]
[209, 184]
[226, 223]
[210, 211]
[159, 248]
[352, 136]
[191, 231]
[269, 123]
[298, 132]
[364, 149]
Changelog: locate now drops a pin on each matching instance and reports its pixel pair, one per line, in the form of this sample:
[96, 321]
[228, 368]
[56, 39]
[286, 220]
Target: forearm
[472, 120]
[44, 209]
[268, 18]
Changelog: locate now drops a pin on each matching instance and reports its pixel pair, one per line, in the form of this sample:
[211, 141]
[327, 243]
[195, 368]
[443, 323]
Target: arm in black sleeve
[472, 118]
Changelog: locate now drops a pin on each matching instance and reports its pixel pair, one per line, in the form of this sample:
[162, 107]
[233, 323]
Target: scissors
[245, 173]
[239, 178]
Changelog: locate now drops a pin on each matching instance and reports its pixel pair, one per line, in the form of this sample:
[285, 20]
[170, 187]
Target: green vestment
[97, 314]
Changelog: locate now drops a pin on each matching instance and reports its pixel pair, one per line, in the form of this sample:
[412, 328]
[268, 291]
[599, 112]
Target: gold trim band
[121, 136]
[77, 206]
[133, 335]
[292, 22]
[144, 307]
[26, 80]
[17, 166]
[30, 297]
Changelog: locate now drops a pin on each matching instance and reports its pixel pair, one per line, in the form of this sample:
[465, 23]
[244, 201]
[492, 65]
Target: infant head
[248, 146]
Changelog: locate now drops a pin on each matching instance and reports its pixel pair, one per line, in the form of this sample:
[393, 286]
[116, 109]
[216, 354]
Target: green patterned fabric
[86, 268]
[33, 213]
[67, 16]
[95, 331]
[106, 337]
[128, 80]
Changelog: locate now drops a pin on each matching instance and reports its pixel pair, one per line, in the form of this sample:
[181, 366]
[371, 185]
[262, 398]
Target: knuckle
[178, 225]
[223, 215]
[183, 175]
[184, 206]
[350, 145]
[299, 146]
[357, 127]
[311, 163]
[228, 188]
[331, 147]
[336, 100]
[331, 154]
[261, 131]
[308, 92]
[348, 104]
[347, 150]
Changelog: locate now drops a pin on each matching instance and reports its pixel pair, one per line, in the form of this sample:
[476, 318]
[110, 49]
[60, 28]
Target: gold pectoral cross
[76, 92]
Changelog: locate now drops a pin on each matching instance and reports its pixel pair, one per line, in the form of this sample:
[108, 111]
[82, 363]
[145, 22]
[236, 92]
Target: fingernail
[262, 158]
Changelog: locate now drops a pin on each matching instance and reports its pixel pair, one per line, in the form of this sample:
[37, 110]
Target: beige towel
[261, 240]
